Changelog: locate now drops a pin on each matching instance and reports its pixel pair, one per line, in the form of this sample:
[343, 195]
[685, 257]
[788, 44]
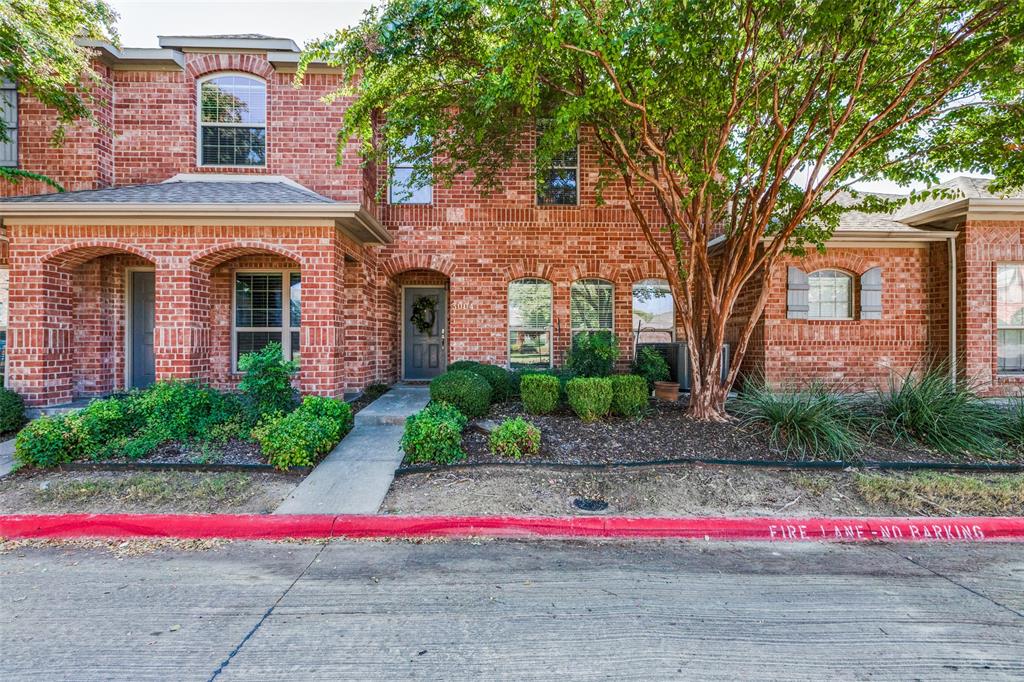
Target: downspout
[951, 241]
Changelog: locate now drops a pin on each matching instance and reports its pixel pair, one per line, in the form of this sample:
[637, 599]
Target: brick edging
[273, 527]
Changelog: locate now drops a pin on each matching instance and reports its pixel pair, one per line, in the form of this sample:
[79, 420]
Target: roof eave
[134, 56]
[254, 44]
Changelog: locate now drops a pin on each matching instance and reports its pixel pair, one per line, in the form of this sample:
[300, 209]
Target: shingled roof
[196, 192]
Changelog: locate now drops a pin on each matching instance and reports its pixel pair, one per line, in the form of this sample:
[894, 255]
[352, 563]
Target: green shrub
[337, 412]
[652, 366]
[298, 438]
[267, 384]
[500, 379]
[434, 434]
[816, 421]
[540, 393]
[593, 354]
[46, 442]
[630, 395]
[928, 408]
[12, 410]
[466, 390]
[590, 397]
[183, 410]
[463, 366]
[103, 425]
[515, 438]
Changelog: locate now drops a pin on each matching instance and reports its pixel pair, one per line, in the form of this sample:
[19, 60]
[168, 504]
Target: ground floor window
[261, 315]
[654, 316]
[529, 323]
[591, 306]
[830, 295]
[1010, 317]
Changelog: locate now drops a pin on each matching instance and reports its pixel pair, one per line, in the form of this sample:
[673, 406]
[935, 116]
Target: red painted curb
[267, 527]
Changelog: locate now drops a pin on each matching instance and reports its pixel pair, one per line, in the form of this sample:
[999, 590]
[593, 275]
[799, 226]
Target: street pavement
[514, 610]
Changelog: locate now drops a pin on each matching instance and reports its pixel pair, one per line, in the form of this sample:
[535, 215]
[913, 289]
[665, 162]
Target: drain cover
[589, 505]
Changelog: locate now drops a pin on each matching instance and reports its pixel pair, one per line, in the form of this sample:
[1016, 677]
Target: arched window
[232, 121]
[591, 306]
[830, 295]
[654, 315]
[529, 323]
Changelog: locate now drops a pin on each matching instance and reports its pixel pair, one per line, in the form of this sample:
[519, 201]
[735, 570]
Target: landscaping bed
[697, 490]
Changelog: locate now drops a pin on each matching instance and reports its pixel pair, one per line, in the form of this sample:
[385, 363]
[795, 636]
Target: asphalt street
[539, 610]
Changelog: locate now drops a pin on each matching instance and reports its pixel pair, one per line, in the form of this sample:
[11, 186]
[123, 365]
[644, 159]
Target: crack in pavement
[954, 582]
[234, 652]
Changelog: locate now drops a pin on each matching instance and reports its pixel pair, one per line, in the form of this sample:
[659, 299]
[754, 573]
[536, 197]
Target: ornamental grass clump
[951, 418]
[515, 438]
[813, 422]
[434, 434]
[540, 393]
[590, 398]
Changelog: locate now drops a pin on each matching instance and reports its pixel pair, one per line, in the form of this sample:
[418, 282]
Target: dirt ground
[102, 492]
[665, 433]
[695, 489]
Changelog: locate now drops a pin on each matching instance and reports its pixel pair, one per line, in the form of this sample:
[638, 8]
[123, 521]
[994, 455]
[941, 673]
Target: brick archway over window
[399, 264]
[211, 257]
[246, 63]
[530, 267]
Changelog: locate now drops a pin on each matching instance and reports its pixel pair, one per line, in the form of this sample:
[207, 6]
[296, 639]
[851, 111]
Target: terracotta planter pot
[666, 390]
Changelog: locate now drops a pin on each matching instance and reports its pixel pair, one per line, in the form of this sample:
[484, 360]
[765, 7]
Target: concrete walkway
[6, 457]
[355, 477]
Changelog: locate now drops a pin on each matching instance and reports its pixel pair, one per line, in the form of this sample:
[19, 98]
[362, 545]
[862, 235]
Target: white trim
[199, 120]
[401, 324]
[286, 314]
[851, 312]
[128, 331]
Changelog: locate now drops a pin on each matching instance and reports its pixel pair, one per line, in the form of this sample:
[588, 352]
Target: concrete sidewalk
[355, 477]
[6, 457]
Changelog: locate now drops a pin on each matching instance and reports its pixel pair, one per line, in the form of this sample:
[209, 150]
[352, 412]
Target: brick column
[181, 338]
[323, 299]
[40, 351]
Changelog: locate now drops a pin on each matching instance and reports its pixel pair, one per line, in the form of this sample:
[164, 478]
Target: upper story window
[232, 121]
[403, 187]
[654, 316]
[9, 122]
[529, 323]
[830, 295]
[558, 184]
[591, 306]
[1010, 317]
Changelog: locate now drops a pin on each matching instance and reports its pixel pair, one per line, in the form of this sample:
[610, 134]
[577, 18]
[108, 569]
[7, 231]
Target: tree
[743, 118]
[39, 52]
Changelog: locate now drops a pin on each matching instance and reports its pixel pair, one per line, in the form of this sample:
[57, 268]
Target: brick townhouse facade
[206, 215]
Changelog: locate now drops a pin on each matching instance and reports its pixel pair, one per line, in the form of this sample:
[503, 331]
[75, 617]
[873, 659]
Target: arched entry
[423, 305]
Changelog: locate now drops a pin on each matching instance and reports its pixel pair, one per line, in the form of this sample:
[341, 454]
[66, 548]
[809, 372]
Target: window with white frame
[4, 289]
[529, 323]
[1010, 317]
[8, 124]
[232, 121]
[268, 309]
[591, 306]
[558, 183]
[406, 185]
[654, 315]
[830, 295]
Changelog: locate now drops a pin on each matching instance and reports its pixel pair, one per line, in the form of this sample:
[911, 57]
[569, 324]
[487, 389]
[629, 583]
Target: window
[9, 123]
[654, 314]
[1010, 317]
[529, 323]
[4, 288]
[558, 183]
[591, 305]
[261, 316]
[232, 121]
[404, 186]
[830, 295]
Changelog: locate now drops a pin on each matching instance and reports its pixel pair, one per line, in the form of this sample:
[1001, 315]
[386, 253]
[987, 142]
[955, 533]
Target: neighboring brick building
[206, 215]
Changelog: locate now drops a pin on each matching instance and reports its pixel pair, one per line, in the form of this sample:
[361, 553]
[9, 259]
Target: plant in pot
[651, 365]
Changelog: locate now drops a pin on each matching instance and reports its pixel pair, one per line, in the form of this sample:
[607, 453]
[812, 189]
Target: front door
[143, 315]
[425, 320]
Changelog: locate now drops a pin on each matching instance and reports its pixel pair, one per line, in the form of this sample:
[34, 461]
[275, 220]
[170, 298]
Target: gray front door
[143, 315]
[426, 345]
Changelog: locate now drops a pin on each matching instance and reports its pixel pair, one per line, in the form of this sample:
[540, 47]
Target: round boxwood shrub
[540, 393]
[12, 411]
[434, 434]
[500, 379]
[463, 365]
[467, 391]
[515, 438]
[590, 398]
[630, 395]
[46, 442]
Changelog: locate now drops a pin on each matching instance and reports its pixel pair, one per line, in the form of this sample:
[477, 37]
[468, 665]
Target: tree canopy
[743, 118]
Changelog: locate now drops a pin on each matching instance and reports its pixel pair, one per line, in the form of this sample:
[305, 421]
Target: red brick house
[206, 216]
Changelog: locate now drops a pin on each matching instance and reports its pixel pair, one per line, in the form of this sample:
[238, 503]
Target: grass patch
[930, 493]
[813, 422]
[153, 489]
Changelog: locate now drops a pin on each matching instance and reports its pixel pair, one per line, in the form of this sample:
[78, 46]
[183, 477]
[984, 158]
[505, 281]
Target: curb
[272, 527]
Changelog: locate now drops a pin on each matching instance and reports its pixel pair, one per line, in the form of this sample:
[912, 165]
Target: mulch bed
[666, 433]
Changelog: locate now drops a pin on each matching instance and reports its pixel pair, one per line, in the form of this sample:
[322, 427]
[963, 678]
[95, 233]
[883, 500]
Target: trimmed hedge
[434, 434]
[630, 395]
[500, 379]
[467, 391]
[302, 436]
[590, 398]
[515, 438]
[540, 393]
[12, 411]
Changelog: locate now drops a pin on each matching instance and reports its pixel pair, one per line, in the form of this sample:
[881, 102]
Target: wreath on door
[424, 313]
